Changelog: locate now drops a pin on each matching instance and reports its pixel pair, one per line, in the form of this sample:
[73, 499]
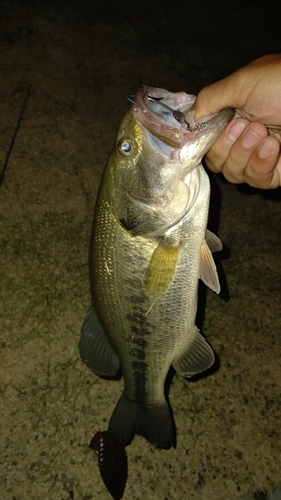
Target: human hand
[245, 152]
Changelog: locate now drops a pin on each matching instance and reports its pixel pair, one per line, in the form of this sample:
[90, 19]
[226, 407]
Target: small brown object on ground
[113, 462]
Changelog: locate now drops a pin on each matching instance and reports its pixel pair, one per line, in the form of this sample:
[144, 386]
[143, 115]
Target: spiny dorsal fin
[208, 271]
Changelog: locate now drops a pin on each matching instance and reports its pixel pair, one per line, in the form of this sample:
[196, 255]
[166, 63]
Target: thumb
[214, 98]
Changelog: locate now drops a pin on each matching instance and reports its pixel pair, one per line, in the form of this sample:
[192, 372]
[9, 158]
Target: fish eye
[126, 147]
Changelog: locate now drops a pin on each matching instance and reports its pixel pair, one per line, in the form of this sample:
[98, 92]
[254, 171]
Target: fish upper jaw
[157, 117]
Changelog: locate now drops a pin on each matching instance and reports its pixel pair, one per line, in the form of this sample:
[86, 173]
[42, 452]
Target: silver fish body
[149, 247]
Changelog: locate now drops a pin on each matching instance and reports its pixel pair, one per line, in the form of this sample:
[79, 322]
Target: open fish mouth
[169, 116]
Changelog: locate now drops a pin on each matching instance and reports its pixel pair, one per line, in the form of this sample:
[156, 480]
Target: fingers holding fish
[264, 167]
[246, 153]
[218, 156]
[253, 156]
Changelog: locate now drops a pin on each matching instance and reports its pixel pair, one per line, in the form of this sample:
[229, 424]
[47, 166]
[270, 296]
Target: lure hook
[178, 115]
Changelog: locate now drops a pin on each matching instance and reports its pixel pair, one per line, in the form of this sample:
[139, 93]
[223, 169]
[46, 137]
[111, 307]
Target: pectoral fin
[162, 268]
[208, 271]
[198, 357]
[95, 350]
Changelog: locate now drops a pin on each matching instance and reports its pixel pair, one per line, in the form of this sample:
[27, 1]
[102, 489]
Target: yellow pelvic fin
[162, 268]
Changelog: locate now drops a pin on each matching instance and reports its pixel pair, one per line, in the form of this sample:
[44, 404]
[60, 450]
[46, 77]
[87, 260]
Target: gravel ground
[66, 69]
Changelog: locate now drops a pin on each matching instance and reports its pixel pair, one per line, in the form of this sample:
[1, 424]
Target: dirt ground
[66, 69]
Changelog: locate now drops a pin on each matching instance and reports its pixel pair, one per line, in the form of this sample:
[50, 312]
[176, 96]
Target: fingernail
[235, 130]
[250, 139]
[264, 151]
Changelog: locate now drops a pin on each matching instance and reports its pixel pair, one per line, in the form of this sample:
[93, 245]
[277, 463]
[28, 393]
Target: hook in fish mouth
[178, 115]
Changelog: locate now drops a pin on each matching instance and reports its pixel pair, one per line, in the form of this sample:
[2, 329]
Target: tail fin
[155, 423]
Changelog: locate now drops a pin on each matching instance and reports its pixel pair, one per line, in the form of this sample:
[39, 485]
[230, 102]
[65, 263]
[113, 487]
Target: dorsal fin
[208, 271]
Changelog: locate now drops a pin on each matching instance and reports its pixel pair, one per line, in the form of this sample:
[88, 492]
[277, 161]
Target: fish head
[158, 149]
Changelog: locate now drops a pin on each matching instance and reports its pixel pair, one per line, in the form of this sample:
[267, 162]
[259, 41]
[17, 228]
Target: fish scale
[148, 250]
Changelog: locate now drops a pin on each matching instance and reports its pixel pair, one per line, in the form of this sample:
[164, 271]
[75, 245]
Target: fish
[149, 247]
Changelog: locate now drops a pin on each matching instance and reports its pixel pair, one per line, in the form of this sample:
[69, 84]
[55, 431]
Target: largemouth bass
[149, 247]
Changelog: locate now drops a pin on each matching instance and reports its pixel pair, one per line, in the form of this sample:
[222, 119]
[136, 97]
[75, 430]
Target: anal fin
[198, 357]
[95, 350]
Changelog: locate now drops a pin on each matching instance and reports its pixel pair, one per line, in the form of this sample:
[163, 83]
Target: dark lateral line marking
[139, 354]
[140, 369]
[140, 342]
[2, 175]
[137, 318]
[139, 330]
